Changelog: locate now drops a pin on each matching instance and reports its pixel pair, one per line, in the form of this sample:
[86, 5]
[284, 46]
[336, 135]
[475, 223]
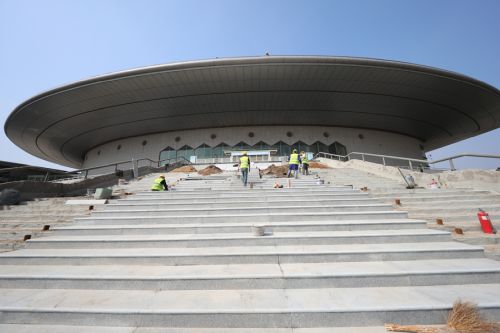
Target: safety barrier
[420, 163]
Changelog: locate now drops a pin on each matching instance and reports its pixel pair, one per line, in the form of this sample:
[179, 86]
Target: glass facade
[280, 148]
[166, 154]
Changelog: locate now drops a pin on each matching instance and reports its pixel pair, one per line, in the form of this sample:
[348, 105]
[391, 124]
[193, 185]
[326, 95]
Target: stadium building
[208, 111]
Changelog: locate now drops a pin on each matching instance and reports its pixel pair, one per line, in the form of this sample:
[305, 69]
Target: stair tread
[333, 269]
[248, 250]
[339, 300]
[229, 236]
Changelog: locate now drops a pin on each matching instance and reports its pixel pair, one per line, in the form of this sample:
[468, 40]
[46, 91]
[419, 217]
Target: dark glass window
[282, 148]
[301, 146]
[218, 151]
[185, 151]
[242, 146]
[261, 145]
[319, 147]
[337, 148]
[204, 151]
[166, 154]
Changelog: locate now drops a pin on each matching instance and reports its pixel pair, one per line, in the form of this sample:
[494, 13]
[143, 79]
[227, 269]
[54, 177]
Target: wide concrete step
[253, 217]
[60, 209]
[237, 227]
[456, 210]
[270, 191]
[365, 182]
[446, 199]
[427, 192]
[255, 181]
[300, 202]
[180, 197]
[39, 217]
[26, 328]
[436, 204]
[244, 308]
[305, 188]
[239, 239]
[251, 254]
[253, 276]
[230, 210]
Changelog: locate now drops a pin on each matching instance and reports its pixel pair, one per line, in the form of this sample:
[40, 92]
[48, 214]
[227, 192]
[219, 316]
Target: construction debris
[278, 171]
[318, 165]
[463, 318]
[210, 170]
[185, 169]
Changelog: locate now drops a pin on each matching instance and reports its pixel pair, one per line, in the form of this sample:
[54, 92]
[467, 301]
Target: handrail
[451, 158]
[116, 164]
[407, 159]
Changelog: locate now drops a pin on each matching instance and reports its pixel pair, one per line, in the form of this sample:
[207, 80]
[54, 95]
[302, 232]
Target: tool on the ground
[464, 317]
[484, 219]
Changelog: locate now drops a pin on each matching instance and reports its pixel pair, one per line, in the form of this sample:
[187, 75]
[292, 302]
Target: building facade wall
[355, 140]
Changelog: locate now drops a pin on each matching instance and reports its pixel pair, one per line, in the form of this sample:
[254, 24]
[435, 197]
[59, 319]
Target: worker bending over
[160, 184]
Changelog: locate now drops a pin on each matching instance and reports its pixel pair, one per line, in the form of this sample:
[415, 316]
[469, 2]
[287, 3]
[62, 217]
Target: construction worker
[160, 184]
[293, 164]
[244, 166]
[305, 163]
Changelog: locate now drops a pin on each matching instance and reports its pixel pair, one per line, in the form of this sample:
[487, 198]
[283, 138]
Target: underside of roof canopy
[435, 106]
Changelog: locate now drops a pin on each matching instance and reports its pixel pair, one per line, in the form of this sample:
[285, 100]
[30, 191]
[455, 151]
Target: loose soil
[278, 171]
[317, 165]
[210, 170]
[185, 169]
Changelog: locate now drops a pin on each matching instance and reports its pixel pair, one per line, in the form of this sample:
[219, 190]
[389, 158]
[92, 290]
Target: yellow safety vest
[157, 186]
[294, 159]
[244, 162]
[304, 159]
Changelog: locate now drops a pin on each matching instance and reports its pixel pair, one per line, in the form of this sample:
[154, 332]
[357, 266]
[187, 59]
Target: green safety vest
[294, 159]
[157, 186]
[244, 162]
[304, 159]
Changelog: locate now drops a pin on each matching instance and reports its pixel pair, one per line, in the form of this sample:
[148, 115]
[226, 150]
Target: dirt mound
[185, 169]
[210, 170]
[317, 165]
[278, 171]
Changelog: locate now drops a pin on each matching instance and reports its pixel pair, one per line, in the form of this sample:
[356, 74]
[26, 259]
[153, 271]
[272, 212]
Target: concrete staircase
[456, 207]
[334, 259]
[29, 218]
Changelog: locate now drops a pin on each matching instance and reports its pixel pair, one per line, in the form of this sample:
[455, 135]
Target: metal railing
[115, 167]
[410, 161]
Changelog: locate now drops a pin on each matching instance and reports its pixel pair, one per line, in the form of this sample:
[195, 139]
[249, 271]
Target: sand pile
[278, 171]
[185, 169]
[317, 165]
[210, 170]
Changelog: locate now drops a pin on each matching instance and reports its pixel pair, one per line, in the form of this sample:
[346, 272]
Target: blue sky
[44, 44]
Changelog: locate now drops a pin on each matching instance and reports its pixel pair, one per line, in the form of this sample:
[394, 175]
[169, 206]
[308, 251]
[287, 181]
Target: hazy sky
[47, 43]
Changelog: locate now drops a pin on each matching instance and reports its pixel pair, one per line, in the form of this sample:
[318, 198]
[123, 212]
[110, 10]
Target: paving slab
[256, 276]
[252, 254]
[241, 308]
[242, 239]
